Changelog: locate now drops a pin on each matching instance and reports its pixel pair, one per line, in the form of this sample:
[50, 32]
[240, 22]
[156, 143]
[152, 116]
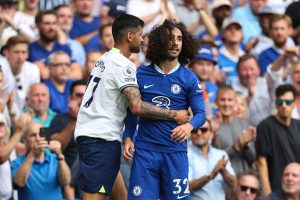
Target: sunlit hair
[159, 39]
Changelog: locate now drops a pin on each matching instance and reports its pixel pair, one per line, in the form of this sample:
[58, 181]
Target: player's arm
[196, 101]
[131, 121]
[147, 110]
[262, 167]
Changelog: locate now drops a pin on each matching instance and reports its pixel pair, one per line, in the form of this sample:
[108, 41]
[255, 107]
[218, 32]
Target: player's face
[247, 186]
[225, 102]
[136, 41]
[175, 44]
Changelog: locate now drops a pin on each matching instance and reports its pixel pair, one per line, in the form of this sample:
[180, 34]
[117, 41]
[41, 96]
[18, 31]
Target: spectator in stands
[64, 15]
[290, 184]
[12, 22]
[91, 59]
[39, 173]
[85, 25]
[247, 15]
[255, 89]
[63, 125]
[221, 9]
[278, 140]
[229, 54]
[110, 9]
[280, 27]
[59, 82]
[152, 12]
[247, 186]
[241, 106]
[292, 12]
[103, 41]
[234, 135]
[210, 169]
[203, 66]
[38, 100]
[7, 155]
[19, 72]
[51, 4]
[50, 41]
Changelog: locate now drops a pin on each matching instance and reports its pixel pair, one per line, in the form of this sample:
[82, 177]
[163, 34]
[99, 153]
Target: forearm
[23, 172]
[66, 135]
[64, 173]
[6, 150]
[199, 183]
[229, 179]
[208, 23]
[278, 63]
[85, 38]
[263, 171]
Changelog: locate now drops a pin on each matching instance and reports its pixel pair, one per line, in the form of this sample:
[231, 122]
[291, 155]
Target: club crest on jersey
[161, 101]
[100, 63]
[137, 191]
[128, 71]
[175, 89]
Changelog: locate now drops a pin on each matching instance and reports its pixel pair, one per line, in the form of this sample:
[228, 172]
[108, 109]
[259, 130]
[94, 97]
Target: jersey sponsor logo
[161, 101]
[175, 88]
[147, 86]
[128, 71]
[137, 191]
[100, 63]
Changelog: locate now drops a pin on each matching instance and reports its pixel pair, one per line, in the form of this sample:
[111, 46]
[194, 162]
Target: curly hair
[159, 39]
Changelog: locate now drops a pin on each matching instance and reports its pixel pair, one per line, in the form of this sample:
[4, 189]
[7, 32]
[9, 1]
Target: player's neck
[167, 66]
[123, 50]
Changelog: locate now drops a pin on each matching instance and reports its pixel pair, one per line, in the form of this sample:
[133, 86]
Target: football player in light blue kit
[160, 163]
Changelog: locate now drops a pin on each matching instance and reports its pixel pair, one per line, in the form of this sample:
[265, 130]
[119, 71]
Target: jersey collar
[156, 67]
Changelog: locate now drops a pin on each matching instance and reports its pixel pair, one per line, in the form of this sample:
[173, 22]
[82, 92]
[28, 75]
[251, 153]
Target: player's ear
[129, 36]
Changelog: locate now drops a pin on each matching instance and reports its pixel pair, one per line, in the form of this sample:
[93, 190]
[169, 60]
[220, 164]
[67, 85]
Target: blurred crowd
[248, 64]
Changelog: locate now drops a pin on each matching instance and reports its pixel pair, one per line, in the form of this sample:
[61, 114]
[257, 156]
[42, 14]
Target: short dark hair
[248, 173]
[101, 29]
[76, 83]
[41, 14]
[245, 57]
[14, 40]
[123, 23]
[284, 88]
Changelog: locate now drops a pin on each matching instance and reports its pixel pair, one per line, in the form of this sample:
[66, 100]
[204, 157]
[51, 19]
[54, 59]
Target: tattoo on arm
[144, 109]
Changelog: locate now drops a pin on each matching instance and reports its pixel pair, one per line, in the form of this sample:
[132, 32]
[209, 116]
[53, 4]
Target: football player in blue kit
[160, 162]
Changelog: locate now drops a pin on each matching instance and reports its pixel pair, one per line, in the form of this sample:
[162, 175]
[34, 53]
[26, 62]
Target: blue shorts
[99, 162]
[156, 175]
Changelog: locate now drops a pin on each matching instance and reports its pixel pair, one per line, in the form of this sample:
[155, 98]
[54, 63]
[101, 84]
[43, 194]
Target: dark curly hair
[159, 39]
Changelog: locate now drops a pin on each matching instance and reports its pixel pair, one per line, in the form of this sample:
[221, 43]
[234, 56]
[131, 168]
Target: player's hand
[182, 132]
[128, 149]
[182, 117]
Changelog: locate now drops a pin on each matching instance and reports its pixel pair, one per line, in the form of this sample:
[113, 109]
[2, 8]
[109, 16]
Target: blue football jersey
[178, 90]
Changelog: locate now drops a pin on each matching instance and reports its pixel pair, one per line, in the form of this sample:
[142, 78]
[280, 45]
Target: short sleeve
[125, 77]
[15, 165]
[263, 141]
